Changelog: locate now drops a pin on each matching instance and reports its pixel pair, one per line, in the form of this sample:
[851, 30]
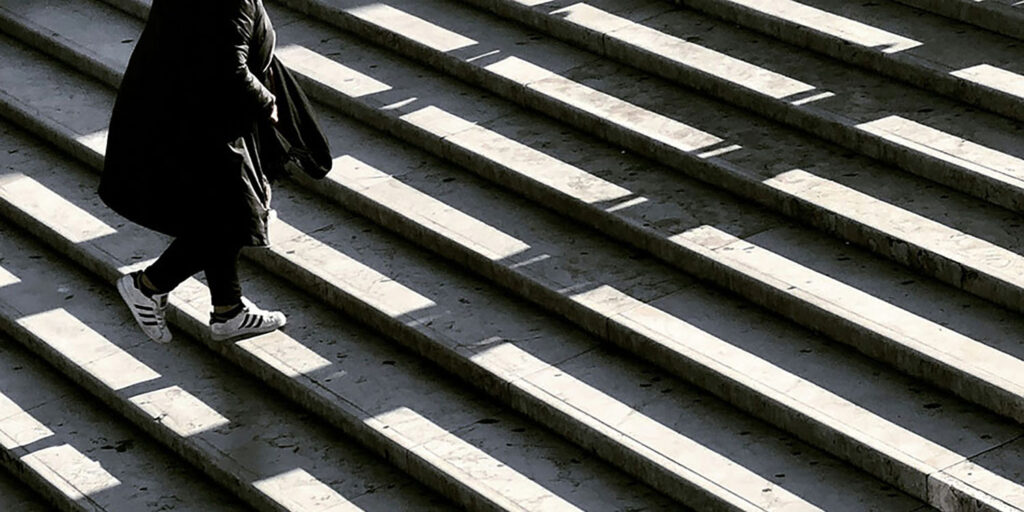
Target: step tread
[310, 252]
[961, 227]
[78, 454]
[200, 406]
[909, 40]
[406, 418]
[935, 137]
[753, 167]
[1000, 16]
[534, 342]
[322, 231]
[917, 333]
[315, 224]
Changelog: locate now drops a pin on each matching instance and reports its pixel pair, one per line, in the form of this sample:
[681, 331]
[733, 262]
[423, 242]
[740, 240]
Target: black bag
[296, 141]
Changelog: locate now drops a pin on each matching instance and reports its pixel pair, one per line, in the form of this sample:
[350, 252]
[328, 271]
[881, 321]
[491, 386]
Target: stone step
[936, 231]
[304, 257]
[76, 454]
[745, 455]
[254, 444]
[1000, 16]
[530, 372]
[937, 138]
[779, 266]
[482, 457]
[899, 217]
[959, 60]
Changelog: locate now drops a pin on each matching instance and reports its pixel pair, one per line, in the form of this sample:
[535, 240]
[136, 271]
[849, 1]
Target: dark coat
[181, 152]
[296, 141]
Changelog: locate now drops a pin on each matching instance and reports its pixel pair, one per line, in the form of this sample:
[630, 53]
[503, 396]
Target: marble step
[883, 312]
[952, 58]
[74, 453]
[581, 403]
[256, 445]
[1001, 16]
[352, 290]
[466, 447]
[946, 235]
[940, 139]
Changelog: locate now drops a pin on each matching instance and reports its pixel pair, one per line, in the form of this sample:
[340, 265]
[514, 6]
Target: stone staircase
[613, 255]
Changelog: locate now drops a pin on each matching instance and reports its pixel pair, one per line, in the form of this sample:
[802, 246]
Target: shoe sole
[123, 291]
[221, 337]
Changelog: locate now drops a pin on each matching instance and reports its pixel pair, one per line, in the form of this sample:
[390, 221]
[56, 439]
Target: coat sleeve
[236, 21]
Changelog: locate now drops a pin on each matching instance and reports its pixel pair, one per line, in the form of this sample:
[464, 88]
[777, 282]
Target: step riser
[994, 16]
[808, 118]
[420, 342]
[689, 260]
[524, 402]
[905, 478]
[223, 476]
[911, 70]
[320, 286]
[350, 424]
[712, 170]
[862, 455]
[325, 406]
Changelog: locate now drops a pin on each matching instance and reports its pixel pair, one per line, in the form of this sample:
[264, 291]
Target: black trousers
[186, 256]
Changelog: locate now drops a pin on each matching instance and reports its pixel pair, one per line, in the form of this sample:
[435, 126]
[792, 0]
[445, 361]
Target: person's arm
[235, 26]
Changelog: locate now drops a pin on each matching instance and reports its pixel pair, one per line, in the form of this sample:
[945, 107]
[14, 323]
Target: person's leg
[184, 258]
[231, 315]
[221, 269]
[145, 293]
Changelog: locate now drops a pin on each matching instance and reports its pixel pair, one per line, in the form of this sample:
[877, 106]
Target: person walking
[182, 156]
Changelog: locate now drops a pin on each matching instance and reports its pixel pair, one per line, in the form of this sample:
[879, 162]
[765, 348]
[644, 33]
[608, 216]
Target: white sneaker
[150, 313]
[250, 321]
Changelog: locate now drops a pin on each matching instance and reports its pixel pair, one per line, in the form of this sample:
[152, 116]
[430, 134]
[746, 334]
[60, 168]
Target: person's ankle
[143, 283]
[225, 313]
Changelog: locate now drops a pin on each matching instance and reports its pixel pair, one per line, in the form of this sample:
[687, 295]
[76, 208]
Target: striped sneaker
[250, 321]
[149, 312]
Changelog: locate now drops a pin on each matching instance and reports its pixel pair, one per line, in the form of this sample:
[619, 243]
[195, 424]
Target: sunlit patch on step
[63, 466]
[17, 427]
[517, 157]
[88, 349]
[57, 213]
[299, 490]
[7, 278]
[669, 47]
[180, 411]
[365, 283]
[68, 469]
[427, 211]
[413, 27]
[475, 467]
[328, 72]
[284, 354]
[835, 25]
[813, 98]
[932, 341]
[993, 77]
[949, 148]
[664, 333]
[96, 141]
[947, 243]
[604, 106]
